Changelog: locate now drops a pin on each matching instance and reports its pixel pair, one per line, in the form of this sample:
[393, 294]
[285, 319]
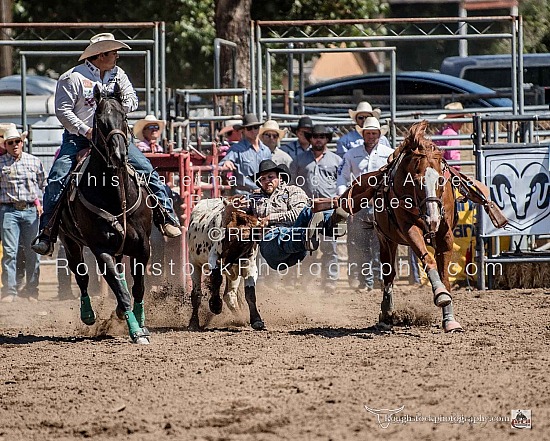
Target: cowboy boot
[43, 244]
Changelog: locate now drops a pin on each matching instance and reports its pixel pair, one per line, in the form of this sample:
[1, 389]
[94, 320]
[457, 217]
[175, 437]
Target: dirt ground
[309, 376]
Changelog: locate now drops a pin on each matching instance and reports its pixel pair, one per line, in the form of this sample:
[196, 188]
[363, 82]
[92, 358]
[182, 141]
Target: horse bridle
[105, 139]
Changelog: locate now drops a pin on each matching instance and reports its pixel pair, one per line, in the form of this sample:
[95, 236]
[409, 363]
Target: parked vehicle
[414, 91]
[495, 71]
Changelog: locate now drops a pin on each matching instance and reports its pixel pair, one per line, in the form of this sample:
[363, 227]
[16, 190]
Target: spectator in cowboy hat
[230, 134]
[451, 129]
[294, 148]
[271, 134]
[245, 156]
[148, 131]
[362, 241]
[317, 170]
[75, 109]
[22, 183]
[353, 138]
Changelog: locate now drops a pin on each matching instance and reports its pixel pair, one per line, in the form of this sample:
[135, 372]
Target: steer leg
[215, 302]
[196, 294]
[250, 295]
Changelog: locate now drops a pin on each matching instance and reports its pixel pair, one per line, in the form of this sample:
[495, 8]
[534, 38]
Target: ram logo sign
[519, 182]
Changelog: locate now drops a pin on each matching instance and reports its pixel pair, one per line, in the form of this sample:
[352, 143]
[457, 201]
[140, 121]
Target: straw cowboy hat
[142, 123]
[11, 132]
[453, 106]
[268, 165]
[102, 43]
[229, 125]
[272, 126]
[364, 107]
[319, 129]
[249, 120]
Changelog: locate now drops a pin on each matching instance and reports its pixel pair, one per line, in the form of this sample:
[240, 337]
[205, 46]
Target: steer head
[238, 240]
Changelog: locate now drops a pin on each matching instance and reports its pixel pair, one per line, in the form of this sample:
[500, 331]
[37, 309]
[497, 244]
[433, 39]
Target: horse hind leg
[388, 252]
[75, 260]
[118, 285]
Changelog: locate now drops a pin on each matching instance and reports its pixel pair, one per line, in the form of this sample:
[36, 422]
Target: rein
[122, 229]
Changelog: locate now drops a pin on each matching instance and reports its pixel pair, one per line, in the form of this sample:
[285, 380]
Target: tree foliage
[191, 27]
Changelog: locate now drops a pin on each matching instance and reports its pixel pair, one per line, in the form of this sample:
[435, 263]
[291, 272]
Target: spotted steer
[219, 244]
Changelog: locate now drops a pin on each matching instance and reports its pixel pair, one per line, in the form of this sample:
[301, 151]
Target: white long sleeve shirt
[357, 161]
[74, 96]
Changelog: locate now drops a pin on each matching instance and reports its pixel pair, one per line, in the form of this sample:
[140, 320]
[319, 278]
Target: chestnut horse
[419, 209]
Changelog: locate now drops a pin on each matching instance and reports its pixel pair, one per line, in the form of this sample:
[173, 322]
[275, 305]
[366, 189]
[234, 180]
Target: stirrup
[42, 245]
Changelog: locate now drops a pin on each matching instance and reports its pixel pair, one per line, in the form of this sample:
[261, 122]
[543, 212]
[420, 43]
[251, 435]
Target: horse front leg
[443, 259]
[75, 260]
[388, 252]
[138, 269]
[118, 285]
[442, 296]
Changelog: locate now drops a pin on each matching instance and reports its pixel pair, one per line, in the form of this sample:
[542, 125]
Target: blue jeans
[16, 225]
[284, 247]
[66, 160]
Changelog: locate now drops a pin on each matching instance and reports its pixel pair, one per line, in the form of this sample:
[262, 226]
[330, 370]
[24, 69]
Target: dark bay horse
[419, 210]
[107, 212]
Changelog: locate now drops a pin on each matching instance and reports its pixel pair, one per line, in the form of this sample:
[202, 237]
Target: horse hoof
[452, 326]
[258, 325]
[384, 327]
[141, 336]
[442, 299]
[141, 341]
[215, 305]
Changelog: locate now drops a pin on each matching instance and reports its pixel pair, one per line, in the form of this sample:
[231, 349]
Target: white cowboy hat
[371, 123]
[11, 132]
[452, 106]
[102, 43]
[366, 108]
[4, 127]
[142, 123]
[228, 126]
[272, 126]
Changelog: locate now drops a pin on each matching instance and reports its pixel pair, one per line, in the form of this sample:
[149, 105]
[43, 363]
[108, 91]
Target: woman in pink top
[451, 130]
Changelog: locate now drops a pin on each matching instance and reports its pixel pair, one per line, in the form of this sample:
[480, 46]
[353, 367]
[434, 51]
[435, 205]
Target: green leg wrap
[139, 312]
[133, 325]
[122, 277]
[87, 314]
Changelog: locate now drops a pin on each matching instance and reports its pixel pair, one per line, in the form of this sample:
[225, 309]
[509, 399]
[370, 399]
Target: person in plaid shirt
[290, 228]
[22, 183]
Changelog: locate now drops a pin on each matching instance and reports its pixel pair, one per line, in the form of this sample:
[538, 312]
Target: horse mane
[416, 142]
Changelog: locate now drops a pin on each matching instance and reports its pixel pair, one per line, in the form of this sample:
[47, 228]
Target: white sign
[519, 181]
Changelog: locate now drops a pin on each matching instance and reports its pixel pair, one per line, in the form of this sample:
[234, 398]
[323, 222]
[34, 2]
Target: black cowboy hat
[249, 120]
[319, 129]
[268, 165]
[304, 122]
